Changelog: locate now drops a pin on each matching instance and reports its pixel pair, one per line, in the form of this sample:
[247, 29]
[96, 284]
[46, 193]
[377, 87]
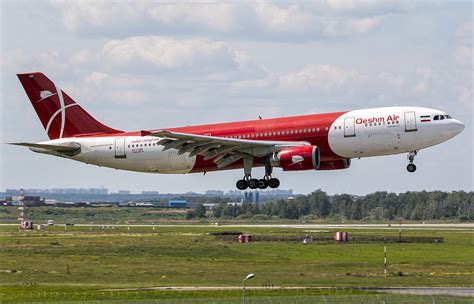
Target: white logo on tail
[62, 109]
[45, 94]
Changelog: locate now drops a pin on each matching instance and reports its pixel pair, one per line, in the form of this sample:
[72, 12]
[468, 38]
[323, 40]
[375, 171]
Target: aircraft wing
[224, 151]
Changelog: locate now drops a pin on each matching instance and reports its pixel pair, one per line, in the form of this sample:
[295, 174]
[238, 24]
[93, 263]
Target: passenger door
[410, 122]
[120, 147]
[349, 127]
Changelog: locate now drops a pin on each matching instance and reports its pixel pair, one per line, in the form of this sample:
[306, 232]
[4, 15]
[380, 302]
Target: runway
[428, 226]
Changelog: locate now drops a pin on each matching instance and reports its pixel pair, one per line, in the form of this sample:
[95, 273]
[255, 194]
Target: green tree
[200, 211]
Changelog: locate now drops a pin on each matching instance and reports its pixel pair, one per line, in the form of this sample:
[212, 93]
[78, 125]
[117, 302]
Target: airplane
[308, 142]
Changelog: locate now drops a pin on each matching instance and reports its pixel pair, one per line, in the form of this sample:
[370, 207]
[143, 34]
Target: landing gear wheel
[253, 183]
[262, 184]
[411, 168]
[242, 184]
[273, 183]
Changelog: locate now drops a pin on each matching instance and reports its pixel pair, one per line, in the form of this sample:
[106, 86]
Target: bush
[190, 214]
[261, 217]
[244, 216]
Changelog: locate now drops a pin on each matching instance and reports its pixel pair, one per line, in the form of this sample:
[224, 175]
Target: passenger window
[317, 130]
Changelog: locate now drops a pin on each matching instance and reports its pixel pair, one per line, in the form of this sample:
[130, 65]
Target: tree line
[424, 205]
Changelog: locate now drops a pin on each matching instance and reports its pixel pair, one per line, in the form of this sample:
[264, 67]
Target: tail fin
[60, 115]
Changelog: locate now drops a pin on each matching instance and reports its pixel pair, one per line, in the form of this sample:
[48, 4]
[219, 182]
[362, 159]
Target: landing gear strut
[253, 183]
[411, 157]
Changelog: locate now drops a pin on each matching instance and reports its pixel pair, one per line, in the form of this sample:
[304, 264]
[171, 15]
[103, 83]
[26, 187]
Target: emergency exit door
[120, 147]
[410, 122]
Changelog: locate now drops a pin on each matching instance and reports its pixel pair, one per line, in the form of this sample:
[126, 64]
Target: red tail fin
[60, 115]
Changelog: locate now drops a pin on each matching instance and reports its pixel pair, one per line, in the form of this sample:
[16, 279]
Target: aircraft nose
[454, 128]
[458, 126]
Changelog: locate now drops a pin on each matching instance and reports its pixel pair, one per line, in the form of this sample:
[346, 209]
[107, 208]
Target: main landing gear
[411, 157]
[253, 183]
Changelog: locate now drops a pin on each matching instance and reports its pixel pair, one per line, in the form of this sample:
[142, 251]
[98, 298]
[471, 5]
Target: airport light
[248, 277]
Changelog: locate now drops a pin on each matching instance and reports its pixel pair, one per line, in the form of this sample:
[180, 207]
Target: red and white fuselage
[317, 141]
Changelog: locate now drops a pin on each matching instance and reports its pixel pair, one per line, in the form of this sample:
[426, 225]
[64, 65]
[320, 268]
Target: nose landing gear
[411, 157]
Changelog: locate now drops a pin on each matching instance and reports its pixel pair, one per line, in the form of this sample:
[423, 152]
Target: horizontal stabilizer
[67, 147]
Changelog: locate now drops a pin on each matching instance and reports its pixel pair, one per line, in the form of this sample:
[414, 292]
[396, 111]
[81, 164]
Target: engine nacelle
[335, 164]
[297, 158]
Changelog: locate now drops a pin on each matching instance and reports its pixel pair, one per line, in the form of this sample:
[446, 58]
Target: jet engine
[297, 158]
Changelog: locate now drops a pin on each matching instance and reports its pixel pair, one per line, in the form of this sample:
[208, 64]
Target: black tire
[273, 183]
[242, 184]
[253, 183]
[411, 168]
[262, 184]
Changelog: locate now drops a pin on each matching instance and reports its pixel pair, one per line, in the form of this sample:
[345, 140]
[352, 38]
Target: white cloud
[311, 77]
[291, 19]
[463, 49]
[165, 53]
[96, 78]
[217, 16]
[244, 20]
[317, 76]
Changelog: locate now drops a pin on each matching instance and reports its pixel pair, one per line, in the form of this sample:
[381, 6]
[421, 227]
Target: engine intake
[297, 158]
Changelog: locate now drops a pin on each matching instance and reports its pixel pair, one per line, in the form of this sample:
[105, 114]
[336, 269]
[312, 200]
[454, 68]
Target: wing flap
[222, 140]
[225, 151]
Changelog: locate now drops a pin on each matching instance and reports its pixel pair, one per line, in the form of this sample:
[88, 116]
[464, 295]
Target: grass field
[78, 263]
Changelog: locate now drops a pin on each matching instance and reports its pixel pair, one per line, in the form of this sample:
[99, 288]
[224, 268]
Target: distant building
[235, 204]
[150, 192]
[209, 206]
[237, 193]
[178, 204]
[58, 191]
[30, 201]
[214, 193]
[123, 192]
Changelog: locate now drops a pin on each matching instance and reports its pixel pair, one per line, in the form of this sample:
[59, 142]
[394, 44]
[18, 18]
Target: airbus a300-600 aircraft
[309, 142]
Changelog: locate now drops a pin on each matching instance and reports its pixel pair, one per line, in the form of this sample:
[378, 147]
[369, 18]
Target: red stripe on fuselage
[261, 126]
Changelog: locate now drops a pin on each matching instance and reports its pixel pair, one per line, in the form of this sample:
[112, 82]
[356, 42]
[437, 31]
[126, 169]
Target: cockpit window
[436, 117]
[441, 117]
[448, 116]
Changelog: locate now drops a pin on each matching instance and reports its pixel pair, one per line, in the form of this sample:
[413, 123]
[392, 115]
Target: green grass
[82, 261]
[234, 296]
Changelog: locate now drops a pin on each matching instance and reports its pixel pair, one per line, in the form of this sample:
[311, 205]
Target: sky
[150, 65]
